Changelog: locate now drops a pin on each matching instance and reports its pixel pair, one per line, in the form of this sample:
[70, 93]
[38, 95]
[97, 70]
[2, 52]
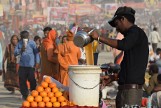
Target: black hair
[153, 68]
[63, 38]
[47, 29]
[158, 50]
[36, 38]
[155, 29]
[13, 37]
[130, 18]
[159, 78]
[24, 34]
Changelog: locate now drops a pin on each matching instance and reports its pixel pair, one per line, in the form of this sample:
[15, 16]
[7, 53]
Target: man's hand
[108, 79]
[23, 48]
[95, 35]
[36, 66]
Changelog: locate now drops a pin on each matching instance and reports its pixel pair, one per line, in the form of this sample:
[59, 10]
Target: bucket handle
[81, 86]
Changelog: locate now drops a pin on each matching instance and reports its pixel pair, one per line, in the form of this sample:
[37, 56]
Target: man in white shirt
[154, 38]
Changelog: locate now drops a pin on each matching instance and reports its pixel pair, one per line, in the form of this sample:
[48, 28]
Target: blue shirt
[30, 56]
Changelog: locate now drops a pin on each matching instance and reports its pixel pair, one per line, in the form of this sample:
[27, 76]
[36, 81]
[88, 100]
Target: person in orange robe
[68, 54]
[49, 64]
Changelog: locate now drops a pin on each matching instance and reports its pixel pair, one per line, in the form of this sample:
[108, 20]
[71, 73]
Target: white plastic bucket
[84, 85]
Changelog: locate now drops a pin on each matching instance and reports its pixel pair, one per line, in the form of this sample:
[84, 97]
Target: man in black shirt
[136, 51]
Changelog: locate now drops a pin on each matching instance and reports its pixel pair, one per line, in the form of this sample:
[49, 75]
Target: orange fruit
[34, 93]
[58, 94]
[61, 99]
[39, 88]
[64, 104]
[46, 99]
[71, 104]
[55, 89]
[26, 104]
[41, 104]
[47, 79]
[48, 89]
[30, 98]
[50, 94]
[49, 104]
[56, 104]
[44, 84]
[38, 98]
[43, 94]
[53, 99]
[52, 85]
[33, 104]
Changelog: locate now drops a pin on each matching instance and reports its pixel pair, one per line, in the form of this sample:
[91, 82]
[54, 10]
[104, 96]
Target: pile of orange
[46, 95]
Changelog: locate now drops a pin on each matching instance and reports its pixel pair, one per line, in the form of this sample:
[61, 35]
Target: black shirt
[136, 51]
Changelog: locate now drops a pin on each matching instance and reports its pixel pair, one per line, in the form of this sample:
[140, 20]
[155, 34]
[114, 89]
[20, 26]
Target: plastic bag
[59, 85]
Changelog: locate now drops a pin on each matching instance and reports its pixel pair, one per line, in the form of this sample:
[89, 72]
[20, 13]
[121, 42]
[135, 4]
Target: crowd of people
[27, 59]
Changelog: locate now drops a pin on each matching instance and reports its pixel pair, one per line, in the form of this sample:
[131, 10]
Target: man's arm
[149, 88]
[18, 50]
[111, 42]
[126, 43]
[36, 53]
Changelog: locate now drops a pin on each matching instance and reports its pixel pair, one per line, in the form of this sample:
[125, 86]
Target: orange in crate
[58, 94]
[39, 88]
[50, 94]
[71, 104]
[33, 104]
[56, 104]
[55, 89]
[53, 99]
[61, 99]
[52, 85]
[47, 79]
[30, 98]
[48, 90]
[26, 104]
[49, 104]
[43, 94]
[46, 99]
[41, 104]
[44, 84]
[64, 104]
[38, 98]
[34, 93]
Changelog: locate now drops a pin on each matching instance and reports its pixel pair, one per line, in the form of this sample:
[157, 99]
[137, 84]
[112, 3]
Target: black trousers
[26, 73]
